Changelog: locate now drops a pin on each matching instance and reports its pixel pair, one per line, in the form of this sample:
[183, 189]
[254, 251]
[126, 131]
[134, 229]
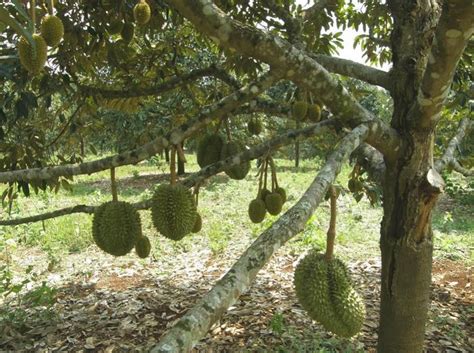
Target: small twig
[227, 129]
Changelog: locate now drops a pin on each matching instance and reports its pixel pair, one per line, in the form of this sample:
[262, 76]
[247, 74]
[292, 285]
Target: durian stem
[33, 14]
[227, 130]
[113, 185]
[50, 6]
[331, 234]
[260, 180]
[173, 166]
[266, 172]
[196, 193]
[274, 174]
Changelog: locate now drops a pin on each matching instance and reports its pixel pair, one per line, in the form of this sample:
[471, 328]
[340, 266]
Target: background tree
[197, 63]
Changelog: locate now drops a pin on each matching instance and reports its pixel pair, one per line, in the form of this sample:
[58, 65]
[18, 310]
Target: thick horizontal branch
[197, 321]
[355, 70]
[207, 114]
[449, 158]
[253, 153]
[460, 169]
[371, 160]
[297, 64]
[454, 30]
[170, 84]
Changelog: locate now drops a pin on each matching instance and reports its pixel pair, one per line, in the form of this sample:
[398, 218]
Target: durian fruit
[299, 110]
[273, 203]
[52, 30]
[314, 113]
[197, 224]
[209, 150]
[173, 211]
[142, 13]
[33, 60]
[116, 227]
[325, 291]
[143, 247]
[237, 172]
[254, 127]
[128, 31]
[282, 193]
[115, 26]
[264, 193]
[257, 210]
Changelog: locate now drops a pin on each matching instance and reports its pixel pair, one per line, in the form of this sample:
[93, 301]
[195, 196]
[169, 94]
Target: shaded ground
[114, 305]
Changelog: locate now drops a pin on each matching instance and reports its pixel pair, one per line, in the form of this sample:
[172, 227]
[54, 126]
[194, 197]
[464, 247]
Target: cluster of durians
[324, 289]
[116, 229]
[212, 148]
[302, 111]
[141, 15]
[266, 200]
[34, 58]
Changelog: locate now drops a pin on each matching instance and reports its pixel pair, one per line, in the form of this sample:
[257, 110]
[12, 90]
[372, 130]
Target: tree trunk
[167, 155]
[297, 147]
[411, 189]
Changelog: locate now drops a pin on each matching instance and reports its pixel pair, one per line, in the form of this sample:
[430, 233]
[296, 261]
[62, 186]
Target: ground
[94, 302]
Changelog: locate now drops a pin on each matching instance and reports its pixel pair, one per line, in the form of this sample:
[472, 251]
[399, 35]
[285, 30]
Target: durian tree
[227, 59]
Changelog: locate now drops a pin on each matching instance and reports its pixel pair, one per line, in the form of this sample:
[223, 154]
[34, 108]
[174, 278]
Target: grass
[223, 206]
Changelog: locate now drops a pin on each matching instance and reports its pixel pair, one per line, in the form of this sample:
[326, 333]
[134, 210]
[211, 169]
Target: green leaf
[6, 18]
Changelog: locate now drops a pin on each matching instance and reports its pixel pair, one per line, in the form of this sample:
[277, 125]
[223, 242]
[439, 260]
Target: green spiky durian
[299, 110]
[116, 227]
[197, 224]
[128, 31]
[209, 150]
[325, 291]
[143, 247]
[314, 113]
[273, 203]
[173, 211]
[115, 26]
[52, 30]
[142, 12]
[254, 127]
[237, 172]
[33, 60]
[282, 193]
[257, 210]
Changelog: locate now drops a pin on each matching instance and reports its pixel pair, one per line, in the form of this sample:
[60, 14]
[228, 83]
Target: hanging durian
[142, 13]
[116, 227]
[143, 247]
[52, 30]
[209, 150]
[173, 211]
[299, 110]
[239, 171]
[33, 60]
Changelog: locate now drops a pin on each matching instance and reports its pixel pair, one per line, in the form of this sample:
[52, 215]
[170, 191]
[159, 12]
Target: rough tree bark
[422, 75]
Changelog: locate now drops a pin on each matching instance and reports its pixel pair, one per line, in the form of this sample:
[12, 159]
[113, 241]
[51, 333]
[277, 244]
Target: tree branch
[454, 30]
[298, 66]
[353, 69]
[172, 83]
[197, 321]
[196, 178]
[448, 158]
[207, 114]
